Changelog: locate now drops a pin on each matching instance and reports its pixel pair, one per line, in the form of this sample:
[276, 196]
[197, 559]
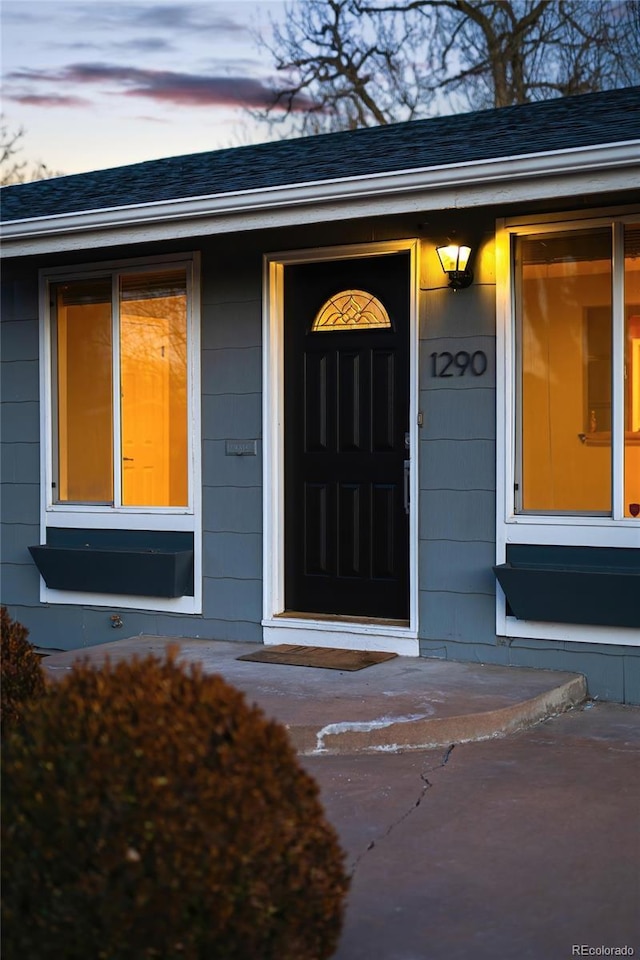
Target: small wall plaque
[241, 448]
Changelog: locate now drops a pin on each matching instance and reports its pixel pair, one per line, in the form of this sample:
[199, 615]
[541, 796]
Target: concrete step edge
[426, 733]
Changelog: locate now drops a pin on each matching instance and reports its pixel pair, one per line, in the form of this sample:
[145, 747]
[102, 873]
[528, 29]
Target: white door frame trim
[369, 635]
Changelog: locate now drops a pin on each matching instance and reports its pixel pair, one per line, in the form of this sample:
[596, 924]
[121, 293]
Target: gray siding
[612, 672]
[20, 438]
[456, 461]
[232, 410]
[457, 506]
[231, 371]
[457, 466]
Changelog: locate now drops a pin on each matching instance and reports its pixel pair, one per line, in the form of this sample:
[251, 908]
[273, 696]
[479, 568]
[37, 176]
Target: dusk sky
[98, 84]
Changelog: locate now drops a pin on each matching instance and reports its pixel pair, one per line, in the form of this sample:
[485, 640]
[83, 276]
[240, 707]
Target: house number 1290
[447, 364]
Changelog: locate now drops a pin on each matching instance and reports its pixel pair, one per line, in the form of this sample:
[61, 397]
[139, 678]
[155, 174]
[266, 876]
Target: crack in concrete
[426, 785]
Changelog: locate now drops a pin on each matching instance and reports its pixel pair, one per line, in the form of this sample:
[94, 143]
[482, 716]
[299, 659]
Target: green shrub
[21, 673]
[151, 812]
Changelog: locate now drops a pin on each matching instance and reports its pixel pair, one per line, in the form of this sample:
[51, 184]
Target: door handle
[407, 471]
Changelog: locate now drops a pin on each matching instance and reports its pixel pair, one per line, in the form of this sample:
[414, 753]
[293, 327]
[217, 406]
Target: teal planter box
[131, 572]
[599, 586]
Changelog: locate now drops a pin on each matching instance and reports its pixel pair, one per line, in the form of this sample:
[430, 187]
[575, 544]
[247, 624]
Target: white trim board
[351, 636]
[569, 632]
[304, 631]
[116, 601]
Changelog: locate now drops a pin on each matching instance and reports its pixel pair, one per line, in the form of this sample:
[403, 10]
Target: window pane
[564, 284]
[632, 370]
[84, 391]
[153, 370]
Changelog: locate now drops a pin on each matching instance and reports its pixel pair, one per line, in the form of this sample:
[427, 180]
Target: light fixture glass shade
[453, 257]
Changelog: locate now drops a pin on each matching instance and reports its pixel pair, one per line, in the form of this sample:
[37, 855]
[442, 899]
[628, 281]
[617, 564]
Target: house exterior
[241, 401]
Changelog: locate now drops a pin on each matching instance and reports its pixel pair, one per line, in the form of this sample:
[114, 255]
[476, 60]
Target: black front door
[346, 420]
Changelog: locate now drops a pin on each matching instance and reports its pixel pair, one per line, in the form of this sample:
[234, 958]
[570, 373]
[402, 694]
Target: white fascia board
[585, 170]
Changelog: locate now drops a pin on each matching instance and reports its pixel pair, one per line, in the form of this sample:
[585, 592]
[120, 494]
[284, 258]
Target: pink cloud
[186, 89]
[51, 100]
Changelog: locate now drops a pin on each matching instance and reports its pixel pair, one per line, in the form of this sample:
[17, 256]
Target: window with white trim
[568, 429]
[120, 429]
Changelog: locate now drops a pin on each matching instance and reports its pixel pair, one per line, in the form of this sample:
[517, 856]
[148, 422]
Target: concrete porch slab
[408, 703]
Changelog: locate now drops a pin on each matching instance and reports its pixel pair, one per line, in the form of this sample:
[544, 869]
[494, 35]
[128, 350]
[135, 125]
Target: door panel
[316, 399]
[350, 546]
[316, 547]
[383, 414]
[383, 552]
[349, 406]
[346, 415]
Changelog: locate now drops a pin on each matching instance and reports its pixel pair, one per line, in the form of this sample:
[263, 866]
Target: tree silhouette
[365, 63]
[14, 169]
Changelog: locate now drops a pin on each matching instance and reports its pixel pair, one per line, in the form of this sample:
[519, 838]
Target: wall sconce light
[454, 261]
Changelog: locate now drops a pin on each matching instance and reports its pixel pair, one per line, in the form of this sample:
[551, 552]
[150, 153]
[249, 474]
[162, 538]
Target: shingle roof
[598, 118]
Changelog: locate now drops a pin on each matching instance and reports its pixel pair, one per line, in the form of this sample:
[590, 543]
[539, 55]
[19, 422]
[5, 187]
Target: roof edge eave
[455, 177]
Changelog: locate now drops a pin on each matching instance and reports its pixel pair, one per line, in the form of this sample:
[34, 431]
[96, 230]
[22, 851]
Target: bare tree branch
[352, 63]
[12, 169]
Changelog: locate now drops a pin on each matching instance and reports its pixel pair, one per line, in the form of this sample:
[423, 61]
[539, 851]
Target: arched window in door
[351, 310]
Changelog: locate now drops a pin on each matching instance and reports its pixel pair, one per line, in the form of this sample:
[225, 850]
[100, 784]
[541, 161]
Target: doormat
[330, 658]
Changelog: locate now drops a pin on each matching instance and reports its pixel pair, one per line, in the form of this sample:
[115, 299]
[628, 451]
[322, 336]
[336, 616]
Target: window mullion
[117, 391]
[53, 482]
[617, 372]
[516, 367]
[192, 399]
